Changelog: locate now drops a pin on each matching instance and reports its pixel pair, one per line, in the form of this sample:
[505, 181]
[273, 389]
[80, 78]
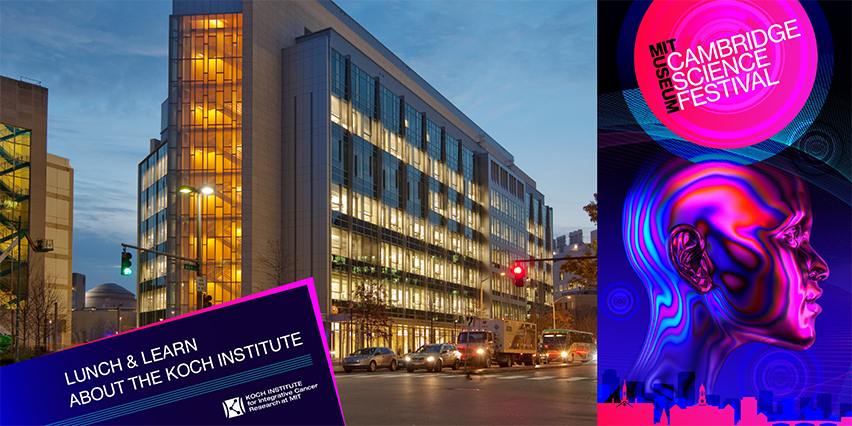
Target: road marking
[510, 377]
[573, 379]
[542, 378]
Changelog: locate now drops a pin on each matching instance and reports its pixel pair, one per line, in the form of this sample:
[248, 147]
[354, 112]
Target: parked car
[370, 359]
[433, 358]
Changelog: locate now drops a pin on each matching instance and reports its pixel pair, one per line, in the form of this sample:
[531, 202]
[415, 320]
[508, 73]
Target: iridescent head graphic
[724, 252]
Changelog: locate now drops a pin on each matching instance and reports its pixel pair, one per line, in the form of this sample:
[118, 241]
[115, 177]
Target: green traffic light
[126, 263]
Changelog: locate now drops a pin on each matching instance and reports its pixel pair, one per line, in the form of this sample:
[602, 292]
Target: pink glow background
[739, 120]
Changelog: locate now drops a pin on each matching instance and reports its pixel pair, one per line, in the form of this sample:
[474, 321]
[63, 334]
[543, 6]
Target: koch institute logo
[234, 407]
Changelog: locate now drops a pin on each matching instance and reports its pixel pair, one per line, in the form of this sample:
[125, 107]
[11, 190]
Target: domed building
[110, 308]
[110, 296]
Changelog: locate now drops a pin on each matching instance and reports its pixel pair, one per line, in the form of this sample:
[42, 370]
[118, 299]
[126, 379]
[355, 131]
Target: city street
[516, 396]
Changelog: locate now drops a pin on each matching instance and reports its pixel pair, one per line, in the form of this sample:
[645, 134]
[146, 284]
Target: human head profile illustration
[724, 253]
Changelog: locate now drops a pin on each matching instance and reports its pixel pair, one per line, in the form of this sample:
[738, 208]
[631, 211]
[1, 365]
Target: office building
[78, 291]
[566, 283]
[328, 158]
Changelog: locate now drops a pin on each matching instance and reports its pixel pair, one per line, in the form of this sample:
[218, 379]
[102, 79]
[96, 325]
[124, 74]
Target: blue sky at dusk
[523, 71]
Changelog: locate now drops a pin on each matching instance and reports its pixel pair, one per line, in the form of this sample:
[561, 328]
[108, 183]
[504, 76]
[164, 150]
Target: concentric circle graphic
[725, 74]
[817, 150]
[620, 301]
[787, 374]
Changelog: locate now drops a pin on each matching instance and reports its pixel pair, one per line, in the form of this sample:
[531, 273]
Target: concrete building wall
[59, 221]
[305, 122]
[94, 324]
[24, 106]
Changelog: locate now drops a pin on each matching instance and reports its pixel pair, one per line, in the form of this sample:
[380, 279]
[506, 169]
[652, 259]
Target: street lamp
[202, 190]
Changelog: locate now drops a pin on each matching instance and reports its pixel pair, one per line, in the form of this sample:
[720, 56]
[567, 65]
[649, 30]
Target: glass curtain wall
[14, 206]
[205, 148]
[209, 150]
[151, 269]
[403, 202]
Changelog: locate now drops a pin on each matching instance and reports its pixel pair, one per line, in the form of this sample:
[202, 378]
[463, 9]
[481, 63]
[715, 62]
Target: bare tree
[276, 263]
[39, 310]
[78, 334]
[370, 313]
[102, 328]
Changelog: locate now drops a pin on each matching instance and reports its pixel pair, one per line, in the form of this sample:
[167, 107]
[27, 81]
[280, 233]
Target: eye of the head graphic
[793, 235]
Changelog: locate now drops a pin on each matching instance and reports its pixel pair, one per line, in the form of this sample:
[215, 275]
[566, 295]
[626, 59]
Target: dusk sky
[523, 71]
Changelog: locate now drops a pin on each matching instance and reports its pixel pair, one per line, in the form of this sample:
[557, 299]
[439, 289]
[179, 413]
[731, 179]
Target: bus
[561, 345]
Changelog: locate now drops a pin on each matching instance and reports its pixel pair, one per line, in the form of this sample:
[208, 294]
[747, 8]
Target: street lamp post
[203, 190]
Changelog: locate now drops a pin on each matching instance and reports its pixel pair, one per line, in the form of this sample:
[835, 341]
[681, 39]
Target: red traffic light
[519, 273]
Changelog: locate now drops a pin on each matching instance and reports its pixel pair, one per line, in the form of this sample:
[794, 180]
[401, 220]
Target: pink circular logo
[725, 73]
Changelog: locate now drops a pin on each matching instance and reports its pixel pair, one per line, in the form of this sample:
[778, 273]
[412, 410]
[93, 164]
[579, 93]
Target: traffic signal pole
[185, 259]
[554, 259]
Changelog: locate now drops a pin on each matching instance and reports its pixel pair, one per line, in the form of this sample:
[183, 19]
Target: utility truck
[503, 341]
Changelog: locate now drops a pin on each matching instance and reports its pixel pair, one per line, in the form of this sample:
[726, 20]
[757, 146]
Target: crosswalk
[457, 376]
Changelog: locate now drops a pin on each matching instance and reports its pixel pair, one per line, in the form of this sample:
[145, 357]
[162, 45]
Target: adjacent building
[329, 158]
[565, 284]
[36, 198]
[59, 222]
[78, 291]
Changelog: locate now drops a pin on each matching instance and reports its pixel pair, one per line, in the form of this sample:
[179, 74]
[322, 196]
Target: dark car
[370, 359]
[433, 358]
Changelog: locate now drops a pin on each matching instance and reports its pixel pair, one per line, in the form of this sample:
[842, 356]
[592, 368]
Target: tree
[585, 270]
[38, 310]
[276, 263]
[42, 305]
[543, 319]
[585, 318]
[370, 313]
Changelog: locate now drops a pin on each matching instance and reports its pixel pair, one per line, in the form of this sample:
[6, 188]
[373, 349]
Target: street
[551, 396]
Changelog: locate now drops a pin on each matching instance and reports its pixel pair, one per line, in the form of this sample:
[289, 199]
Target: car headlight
[480, 351]
[407, 359]
[430, 359]
[564, 354]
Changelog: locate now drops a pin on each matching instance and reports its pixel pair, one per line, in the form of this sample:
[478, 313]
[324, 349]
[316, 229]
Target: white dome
[110, 295]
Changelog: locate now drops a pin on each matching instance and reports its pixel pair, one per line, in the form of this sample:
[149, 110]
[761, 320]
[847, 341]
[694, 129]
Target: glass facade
[204, 144]
[14, 206]
[153, 231]
[405, 211]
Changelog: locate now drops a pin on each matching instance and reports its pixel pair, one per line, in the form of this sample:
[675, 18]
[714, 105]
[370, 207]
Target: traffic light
[126, 265]
[208, 301]
[519, 274]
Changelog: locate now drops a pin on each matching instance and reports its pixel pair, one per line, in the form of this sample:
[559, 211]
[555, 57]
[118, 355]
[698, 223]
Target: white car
[433, 358]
